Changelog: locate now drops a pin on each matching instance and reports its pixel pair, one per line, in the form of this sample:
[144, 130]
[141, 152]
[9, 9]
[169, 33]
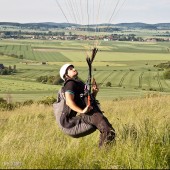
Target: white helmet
[63, 70]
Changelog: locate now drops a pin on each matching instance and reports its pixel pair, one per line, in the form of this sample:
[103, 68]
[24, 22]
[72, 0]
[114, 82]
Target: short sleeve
[70, 87]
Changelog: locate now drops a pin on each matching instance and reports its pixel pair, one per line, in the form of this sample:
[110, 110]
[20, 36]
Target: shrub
[14, 55]
[28, 102]
[2, 100]
[42, 79]
[6, 106]
[48, 100]
[131, 69]
[50, 79]
[4, 72]
[108, 84]
[21, 57]
[166, 74]
[54, 80]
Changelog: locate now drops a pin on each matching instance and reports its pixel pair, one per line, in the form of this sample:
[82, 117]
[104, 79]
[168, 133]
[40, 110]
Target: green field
[127, 65]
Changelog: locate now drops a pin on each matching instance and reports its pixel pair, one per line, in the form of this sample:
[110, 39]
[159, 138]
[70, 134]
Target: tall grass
[30, 138]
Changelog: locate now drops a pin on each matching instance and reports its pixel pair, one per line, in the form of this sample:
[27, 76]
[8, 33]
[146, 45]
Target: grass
[31, 139]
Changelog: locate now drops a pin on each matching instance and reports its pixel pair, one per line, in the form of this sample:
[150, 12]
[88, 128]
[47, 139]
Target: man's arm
[71, 103]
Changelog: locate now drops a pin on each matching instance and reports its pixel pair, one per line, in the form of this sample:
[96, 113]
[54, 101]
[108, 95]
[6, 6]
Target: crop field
[128, 66]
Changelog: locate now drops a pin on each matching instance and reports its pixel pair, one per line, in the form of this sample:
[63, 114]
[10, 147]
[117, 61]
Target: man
[79, 119]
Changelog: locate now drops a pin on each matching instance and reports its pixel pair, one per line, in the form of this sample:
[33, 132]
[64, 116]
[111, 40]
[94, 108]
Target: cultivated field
[128, 66]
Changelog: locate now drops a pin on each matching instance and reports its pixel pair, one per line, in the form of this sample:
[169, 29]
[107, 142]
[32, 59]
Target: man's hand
[95, 88]
[87, 109]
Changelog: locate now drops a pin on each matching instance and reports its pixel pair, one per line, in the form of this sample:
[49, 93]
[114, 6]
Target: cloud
[48, 10]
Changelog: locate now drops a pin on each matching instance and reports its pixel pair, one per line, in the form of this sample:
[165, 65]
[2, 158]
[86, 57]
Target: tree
[57, 80]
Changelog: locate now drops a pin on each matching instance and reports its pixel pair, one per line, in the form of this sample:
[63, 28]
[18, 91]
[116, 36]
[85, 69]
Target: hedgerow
[4, 105]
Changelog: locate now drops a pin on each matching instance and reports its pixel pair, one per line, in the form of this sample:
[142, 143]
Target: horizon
[82, 24]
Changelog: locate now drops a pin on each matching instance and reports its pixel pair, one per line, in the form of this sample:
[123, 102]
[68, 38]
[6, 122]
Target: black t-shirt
[75, 87]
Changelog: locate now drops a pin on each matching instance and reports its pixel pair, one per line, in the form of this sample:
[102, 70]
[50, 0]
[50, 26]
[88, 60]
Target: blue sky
[24, 11]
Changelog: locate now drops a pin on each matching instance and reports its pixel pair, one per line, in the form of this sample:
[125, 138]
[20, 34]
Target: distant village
[69, 35]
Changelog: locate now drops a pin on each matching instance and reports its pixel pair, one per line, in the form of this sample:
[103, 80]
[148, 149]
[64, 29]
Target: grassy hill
[31, 139]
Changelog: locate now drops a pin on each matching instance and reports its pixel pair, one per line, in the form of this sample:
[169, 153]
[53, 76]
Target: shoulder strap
[61, 95]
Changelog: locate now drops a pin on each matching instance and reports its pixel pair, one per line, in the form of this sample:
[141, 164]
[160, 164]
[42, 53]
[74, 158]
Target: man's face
[72, 72]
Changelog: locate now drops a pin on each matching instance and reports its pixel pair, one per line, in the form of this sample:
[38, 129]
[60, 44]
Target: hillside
[135, 25]
[31, 139]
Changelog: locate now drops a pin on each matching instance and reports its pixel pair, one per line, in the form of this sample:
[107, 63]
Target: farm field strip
[116, 92]
[75, 55]
[119, 78]
[114, 77]
[114, 55]
[159, 82]
[123, 78]
[8, 85]
[51, 57]
[132, 79]
[128, 66]
[32, 75]
[103, 76]
[146, 82]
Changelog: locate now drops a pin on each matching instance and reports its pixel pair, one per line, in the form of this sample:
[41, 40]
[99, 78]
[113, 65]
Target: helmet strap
[66, 76]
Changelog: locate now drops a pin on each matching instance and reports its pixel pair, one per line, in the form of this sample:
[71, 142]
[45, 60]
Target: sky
[114, 11]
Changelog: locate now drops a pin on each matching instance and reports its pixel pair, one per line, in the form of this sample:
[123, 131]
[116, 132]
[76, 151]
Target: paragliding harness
[90, 97]
[60, 104]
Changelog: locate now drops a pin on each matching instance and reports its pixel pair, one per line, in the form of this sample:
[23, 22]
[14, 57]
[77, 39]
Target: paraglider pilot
[78, 119]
